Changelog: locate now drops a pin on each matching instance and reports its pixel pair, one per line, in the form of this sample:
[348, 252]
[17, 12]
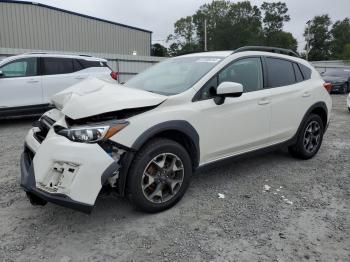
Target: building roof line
[74, 13]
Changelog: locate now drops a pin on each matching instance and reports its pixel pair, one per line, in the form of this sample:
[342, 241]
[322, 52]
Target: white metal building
[32, 27]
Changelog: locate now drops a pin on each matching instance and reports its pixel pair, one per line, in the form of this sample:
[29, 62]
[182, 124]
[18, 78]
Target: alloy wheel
[312, 136]
[162, 178]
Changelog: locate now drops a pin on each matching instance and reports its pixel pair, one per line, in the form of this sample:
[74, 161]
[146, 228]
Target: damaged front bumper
[63, 172]
[40, 197]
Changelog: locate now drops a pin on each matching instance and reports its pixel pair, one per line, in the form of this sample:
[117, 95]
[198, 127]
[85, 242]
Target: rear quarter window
[88, 64]
[306, 71]
[298, 75]
[280, 72]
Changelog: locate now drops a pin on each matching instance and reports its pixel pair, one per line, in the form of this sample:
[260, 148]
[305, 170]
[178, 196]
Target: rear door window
[57, 66]
[280, 72]
[20, 68]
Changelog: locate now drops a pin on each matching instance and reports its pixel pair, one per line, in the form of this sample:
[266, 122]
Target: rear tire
[309, 138]
[344, 89]
[159, 176]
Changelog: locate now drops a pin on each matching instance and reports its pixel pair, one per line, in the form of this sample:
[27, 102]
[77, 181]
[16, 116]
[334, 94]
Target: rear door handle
[32, 81]
[306, 94]
[80, 77]
[263, 102]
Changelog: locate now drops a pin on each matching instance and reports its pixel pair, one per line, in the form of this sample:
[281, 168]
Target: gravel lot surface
[275, 208]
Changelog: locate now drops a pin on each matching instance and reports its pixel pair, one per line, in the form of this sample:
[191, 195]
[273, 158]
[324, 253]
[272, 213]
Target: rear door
[290, 97]
[58, 74]
[20, 83]
[93, 68]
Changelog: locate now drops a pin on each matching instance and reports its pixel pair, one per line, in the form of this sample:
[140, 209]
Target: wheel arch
[320, 109]
[321, 112]
[178, 130]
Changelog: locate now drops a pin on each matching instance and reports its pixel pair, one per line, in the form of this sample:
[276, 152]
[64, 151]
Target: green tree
[320, 38]
[184, 39]
[159, 50]
[340, 34]
[218, 22]
[184, 31]
[281, 39]
[246, 25]
[346, 52]
[231, 25]
[275, 15]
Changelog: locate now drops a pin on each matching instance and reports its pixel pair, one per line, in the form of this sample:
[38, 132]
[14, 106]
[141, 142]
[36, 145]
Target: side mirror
[1, 74]
[227, 89]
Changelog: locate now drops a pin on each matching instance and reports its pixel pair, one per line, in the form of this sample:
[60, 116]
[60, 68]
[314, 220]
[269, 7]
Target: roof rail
[270, 49]
[55, 53]
[34, 53]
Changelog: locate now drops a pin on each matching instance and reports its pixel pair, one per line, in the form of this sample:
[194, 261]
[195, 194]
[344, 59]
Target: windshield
[174, 75]
[337, 72]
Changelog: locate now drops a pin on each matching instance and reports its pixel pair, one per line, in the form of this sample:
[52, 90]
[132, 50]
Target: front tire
[309, 138]
[159, 176]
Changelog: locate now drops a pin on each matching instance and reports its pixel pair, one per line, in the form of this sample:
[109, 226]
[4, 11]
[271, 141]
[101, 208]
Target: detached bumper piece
[39, 197]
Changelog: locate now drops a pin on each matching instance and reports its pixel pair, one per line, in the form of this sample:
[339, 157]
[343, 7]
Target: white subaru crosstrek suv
[28, 81]
[144, 139]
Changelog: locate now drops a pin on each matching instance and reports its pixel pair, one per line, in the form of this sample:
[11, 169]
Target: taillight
[328, 87]
[114, 75]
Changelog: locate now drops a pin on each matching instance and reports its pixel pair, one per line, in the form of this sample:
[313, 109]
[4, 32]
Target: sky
[159, 16]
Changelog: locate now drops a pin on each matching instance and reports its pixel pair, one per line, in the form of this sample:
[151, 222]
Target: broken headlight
[91, 133]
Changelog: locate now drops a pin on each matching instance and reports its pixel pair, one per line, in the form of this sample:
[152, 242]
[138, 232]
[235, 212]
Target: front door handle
[80, 78]
[306, 94]
[32, 81]
[263, 102]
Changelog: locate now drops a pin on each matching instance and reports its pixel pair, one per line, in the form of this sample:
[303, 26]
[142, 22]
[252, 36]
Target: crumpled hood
[334, 79]
[93, 97]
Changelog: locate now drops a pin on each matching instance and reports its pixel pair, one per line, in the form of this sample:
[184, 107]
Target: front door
[20, 84]
[58, 74]
[240, 124]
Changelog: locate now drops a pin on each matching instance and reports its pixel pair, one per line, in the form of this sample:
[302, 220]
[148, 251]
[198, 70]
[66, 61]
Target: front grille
[44, 124]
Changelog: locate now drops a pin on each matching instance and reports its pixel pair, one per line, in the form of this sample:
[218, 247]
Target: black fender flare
[317, 105]
[175, 125]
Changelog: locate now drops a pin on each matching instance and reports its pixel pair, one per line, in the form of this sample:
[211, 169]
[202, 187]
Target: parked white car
[28, 81]
[146, 138]
[348, 102]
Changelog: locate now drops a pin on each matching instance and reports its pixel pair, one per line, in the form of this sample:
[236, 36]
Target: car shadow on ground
[111, 208]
